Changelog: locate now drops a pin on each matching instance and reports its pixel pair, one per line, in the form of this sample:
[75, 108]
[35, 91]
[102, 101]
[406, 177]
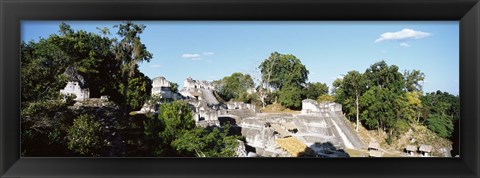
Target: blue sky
[210, 50]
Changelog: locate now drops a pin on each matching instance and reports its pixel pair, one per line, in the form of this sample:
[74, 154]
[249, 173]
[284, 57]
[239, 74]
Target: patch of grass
[356, 153]
[278, 108]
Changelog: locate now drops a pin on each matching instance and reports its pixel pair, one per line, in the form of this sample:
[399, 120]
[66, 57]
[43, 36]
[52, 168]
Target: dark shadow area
[225, 120]
[456, 139]
[323, 150]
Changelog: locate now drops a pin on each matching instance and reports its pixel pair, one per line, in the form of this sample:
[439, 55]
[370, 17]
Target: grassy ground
[278, 108]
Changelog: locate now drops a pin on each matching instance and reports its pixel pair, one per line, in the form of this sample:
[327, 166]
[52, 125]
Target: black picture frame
[467, 12]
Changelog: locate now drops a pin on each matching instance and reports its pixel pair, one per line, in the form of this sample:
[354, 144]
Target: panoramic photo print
[240, 89]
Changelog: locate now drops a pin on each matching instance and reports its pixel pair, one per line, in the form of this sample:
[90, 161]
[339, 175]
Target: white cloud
[208, 53]
[405, 34]
[195, 56]
[190, 55]
[155, 65]
[405, 44]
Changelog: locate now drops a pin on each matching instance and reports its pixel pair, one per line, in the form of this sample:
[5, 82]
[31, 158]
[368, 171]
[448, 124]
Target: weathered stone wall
[75, 89]
[240, 105]
[160, 82]
[311, 106]
[189, 83]
[206, 114]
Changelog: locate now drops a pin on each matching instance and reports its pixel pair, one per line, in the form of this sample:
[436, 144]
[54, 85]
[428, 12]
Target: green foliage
[291, 96]
[178, 135]
[287, 75]
[174, 86]
[44, 123]
[129, 52]
[279, 70]
[413, 79]
[139, 89]
[402, 126]
[325, 98]
[85, 136]
[89, 54]
[441, 112]
[384, 76]
[379, 108]
[314, 90]
[235, 86]
[440, 124]
[204, 143]
[175, 118]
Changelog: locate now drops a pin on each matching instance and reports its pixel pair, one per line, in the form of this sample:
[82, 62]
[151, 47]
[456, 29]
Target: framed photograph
[239, 88]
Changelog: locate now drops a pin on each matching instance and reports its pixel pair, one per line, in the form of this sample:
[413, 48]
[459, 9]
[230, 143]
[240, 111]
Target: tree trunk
[356, 102]
[125, 92]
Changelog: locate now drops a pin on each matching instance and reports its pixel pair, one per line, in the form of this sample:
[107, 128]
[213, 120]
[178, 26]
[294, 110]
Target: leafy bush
[85, 136]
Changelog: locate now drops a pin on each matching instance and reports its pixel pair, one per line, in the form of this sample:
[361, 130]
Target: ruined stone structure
[203, 112]
[311, 106]
[200, 90]
[75, 89]
[161, 87]
[189, 83]
[239, 105]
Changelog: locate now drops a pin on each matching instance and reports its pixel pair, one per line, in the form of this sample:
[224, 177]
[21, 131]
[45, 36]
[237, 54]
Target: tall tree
[384, 101]
[413, 79]
[354, 84]
[286, 74]
[379, 108]
[384, 76]
[314, 89]
[291, 96]
[443, 111]
[235, 86]
[130, 51]
[283, 69]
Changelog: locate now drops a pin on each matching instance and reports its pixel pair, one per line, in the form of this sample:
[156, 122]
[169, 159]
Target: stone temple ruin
[73, 88]
[319, 130]
[161, 87]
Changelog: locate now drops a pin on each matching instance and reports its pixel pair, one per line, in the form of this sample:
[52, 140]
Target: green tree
[291, 96]
[85, 136]
[442, 111]
[130, 51]
[88, 54]
[325, 98]
[286, 74]
[204, 143]
[279, 70]
[235, 86]
[414, 105]
[174, 86]
[379, 108]
[45, 122]
[352, 86]
[315, 89]
[384, 76]
[139, 87]
[178, 135]
[413, 79]
[176, 118]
